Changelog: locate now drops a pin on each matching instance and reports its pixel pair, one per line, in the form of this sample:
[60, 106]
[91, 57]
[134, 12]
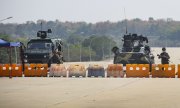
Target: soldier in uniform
[164, 56]
[61, 57]
[55, 59]
[115, 50]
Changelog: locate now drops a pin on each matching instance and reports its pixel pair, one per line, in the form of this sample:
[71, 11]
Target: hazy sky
[87, 10]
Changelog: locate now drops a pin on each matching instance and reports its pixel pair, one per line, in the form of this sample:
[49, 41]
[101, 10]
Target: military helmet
[163, 49]
[114, 49]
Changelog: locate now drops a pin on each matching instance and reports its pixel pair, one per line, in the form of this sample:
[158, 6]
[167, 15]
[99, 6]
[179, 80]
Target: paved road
[89, 93]
[92, 92]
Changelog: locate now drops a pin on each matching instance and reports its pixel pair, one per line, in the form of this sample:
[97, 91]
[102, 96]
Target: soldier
[115, 50]
[60, 56]
[54, 59]
[164, 56]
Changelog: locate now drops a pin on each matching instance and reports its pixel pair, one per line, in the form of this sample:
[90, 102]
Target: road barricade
[163, 70]
[57, 70]
[6, 69]
[95, 70]
[16, 70]
[115, 70]
[137, 70]
[35, 70]
[29, 70]
[178, 73]
[52, 70]
[77, 70]
[1, 70]
[41, 70]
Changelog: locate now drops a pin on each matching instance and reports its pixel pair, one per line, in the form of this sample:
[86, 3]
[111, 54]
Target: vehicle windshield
[39, 45]
[136, 43]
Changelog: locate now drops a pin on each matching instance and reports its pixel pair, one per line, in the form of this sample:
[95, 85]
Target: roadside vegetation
[93, 41]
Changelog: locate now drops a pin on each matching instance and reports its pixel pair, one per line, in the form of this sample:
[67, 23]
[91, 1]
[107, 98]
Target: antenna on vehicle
[41, 25]
[125, 20]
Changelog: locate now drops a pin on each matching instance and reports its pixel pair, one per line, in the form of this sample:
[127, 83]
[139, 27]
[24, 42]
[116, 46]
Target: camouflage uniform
[60, 56]
[55, 59]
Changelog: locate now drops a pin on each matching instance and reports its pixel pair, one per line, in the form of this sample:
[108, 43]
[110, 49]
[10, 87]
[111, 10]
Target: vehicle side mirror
[38, 34]
[49, 31]
[52, 48]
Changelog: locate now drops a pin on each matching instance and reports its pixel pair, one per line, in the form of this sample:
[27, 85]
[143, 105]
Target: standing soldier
[60, 57]
[55, 59]
[164, 56]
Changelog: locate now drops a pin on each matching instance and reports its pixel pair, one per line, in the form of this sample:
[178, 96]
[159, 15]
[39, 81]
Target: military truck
[134, 51]
[40, 50]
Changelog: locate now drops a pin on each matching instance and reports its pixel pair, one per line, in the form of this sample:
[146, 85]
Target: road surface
[45, 92]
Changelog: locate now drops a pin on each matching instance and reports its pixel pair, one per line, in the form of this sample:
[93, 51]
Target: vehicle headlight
[25, 61]
[25, 56]
[45, 56]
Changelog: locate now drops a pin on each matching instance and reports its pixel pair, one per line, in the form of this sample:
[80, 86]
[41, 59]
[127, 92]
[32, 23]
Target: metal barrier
[115, 70]
[137, 70]
[163, 70]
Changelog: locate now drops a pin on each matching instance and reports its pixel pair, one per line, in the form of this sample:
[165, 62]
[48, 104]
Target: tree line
[160, 27]
[93, 41]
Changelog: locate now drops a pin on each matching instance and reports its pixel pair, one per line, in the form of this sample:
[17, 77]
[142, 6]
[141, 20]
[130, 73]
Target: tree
[102, 45]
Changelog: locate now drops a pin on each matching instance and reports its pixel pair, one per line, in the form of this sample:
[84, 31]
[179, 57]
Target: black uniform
[164, 58]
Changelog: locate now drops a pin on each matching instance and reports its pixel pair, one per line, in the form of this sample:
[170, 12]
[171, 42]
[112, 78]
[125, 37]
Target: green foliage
[77, 53]
[75, 39]
[102, 45]
[4, 58]
[152, 27]
[5, 37]
[174, 34]
[83, 39]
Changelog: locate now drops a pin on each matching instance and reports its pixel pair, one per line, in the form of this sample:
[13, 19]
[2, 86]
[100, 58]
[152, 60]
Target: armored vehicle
[134, 51]
[40, 50]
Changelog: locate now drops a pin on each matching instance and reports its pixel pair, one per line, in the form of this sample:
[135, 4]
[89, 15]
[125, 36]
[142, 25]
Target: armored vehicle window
[48, 45]
[136, 43]
[36, 45]
[39, 45]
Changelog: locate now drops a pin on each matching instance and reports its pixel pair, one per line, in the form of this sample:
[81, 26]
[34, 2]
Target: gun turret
[43, 34]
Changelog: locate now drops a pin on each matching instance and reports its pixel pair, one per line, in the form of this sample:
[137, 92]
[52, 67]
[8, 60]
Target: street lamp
[110, 50]
[103, 49]
[90, 47]
[68, 53]
[80, 51]
[6, 19]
